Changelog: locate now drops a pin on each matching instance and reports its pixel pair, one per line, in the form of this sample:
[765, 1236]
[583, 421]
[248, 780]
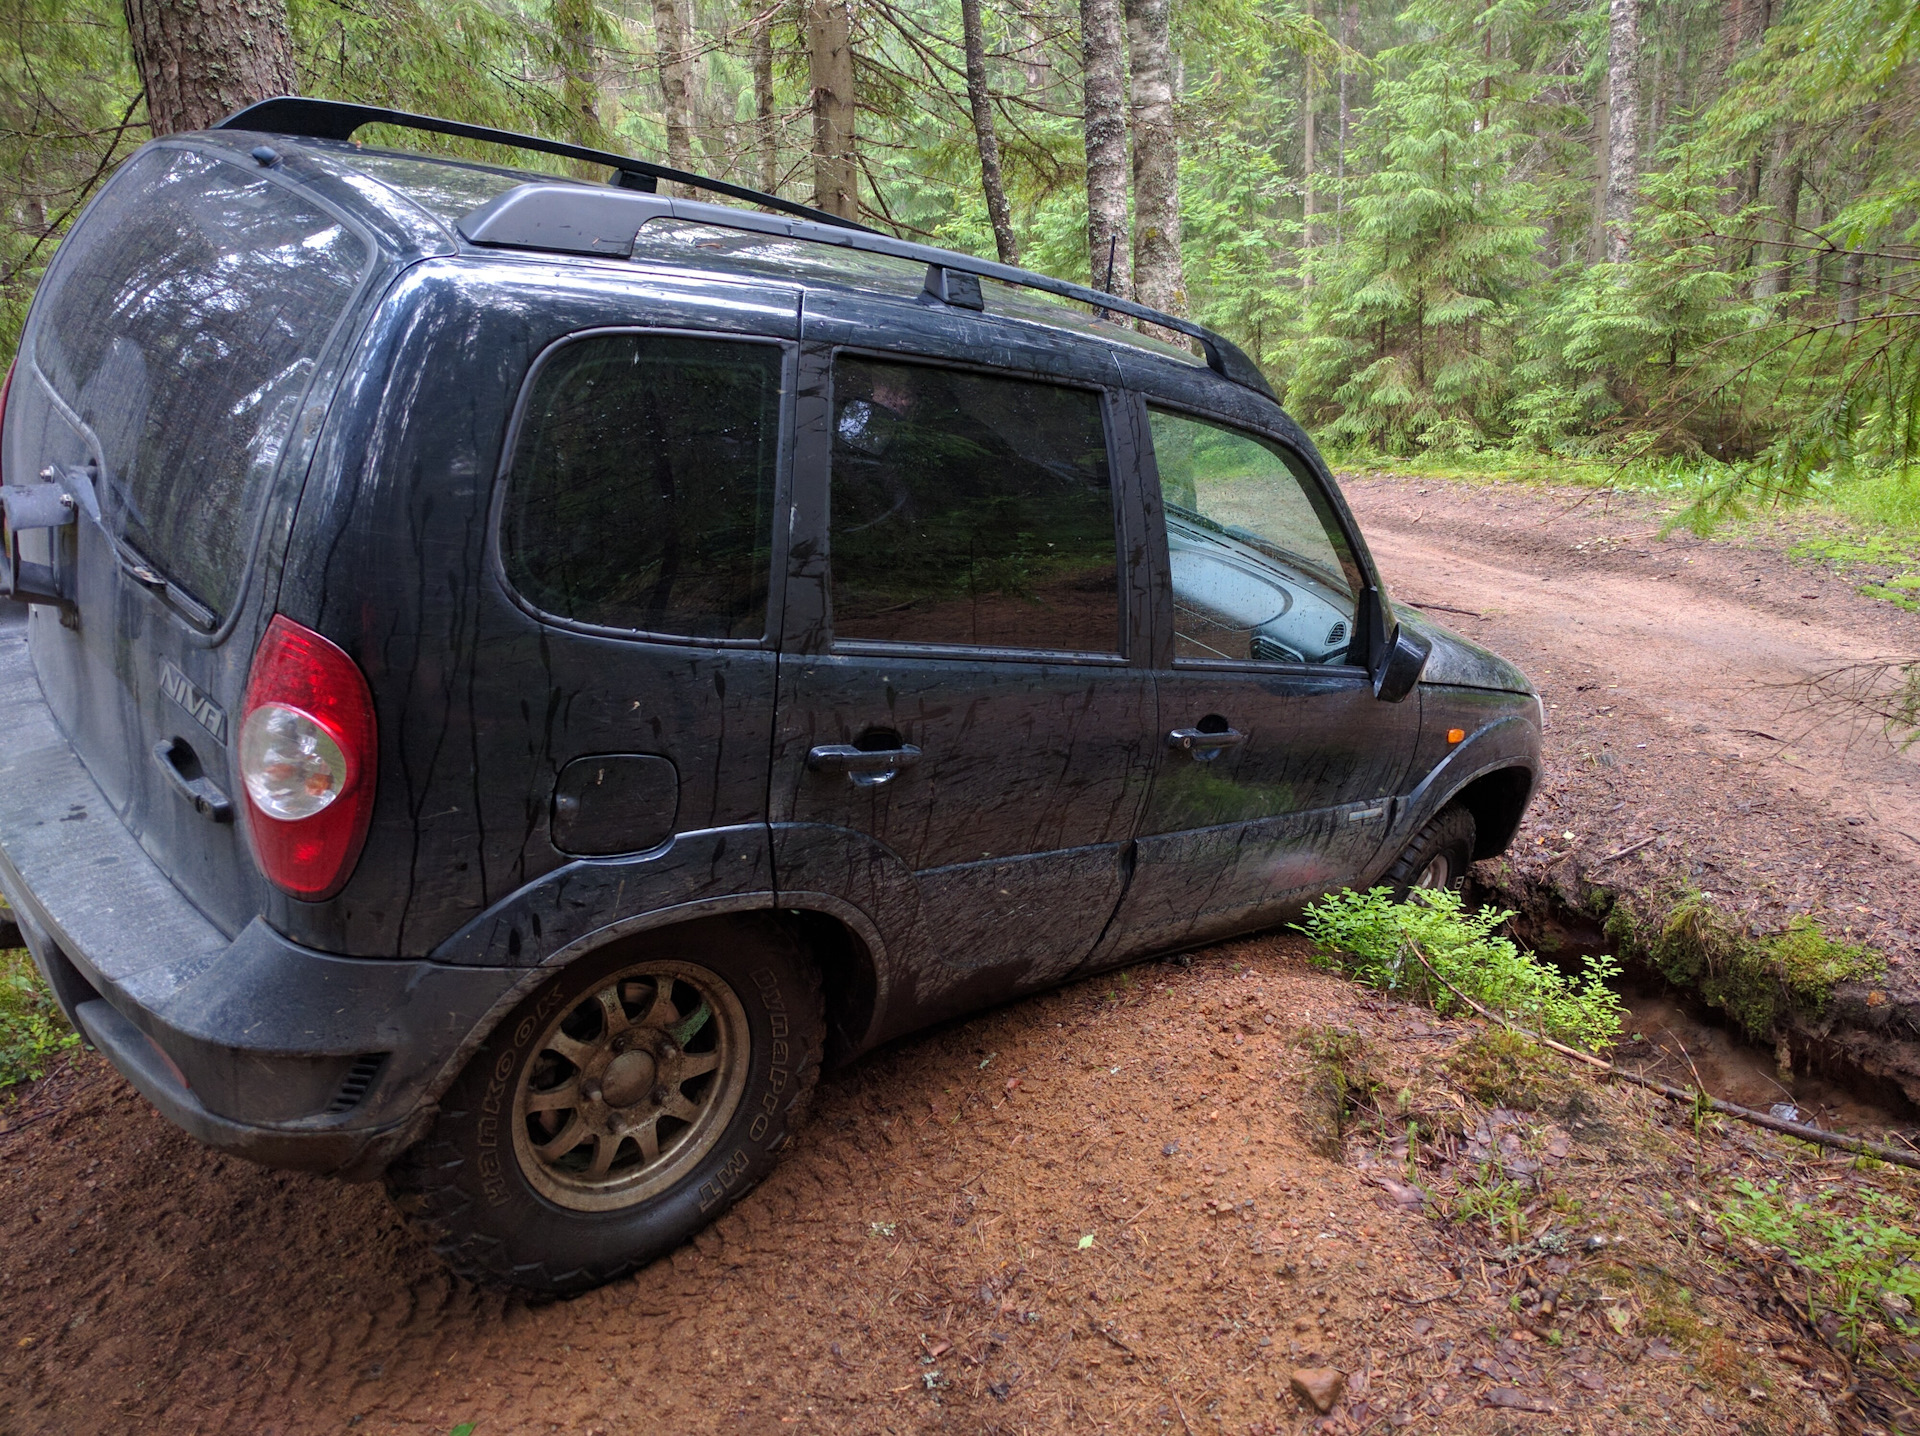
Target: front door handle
[1204, 746]
[867, 768]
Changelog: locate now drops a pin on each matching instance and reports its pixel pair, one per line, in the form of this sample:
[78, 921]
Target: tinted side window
[641, 493]
[1261, 569]
[182, 321]
[970, 509]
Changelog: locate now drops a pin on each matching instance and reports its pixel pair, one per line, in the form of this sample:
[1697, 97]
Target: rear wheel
[1438, 856]
[619, 1109]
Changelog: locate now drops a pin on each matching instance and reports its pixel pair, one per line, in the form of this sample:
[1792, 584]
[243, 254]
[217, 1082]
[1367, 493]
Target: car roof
[500, 207]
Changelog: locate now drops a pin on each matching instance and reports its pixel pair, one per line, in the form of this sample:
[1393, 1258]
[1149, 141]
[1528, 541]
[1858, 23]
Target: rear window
[182, 321]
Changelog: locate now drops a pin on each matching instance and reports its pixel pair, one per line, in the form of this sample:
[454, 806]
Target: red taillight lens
[306, 756]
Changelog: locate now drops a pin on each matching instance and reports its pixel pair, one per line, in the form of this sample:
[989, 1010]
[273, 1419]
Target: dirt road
[1696, 645]
[1114, 1208]
[1672, 670]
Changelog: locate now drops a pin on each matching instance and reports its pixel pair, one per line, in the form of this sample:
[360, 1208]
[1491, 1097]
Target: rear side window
[641, 493]
[183, 321]
[971, 510]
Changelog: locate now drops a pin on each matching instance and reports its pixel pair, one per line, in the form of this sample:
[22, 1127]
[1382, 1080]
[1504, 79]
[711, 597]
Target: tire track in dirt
[1095, 1206]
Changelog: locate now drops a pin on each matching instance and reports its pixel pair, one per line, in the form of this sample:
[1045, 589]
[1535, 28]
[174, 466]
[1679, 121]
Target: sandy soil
[1113, 1208]
[1099, 1210]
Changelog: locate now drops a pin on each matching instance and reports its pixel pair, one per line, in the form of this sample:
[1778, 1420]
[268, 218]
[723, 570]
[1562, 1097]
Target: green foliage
[32, 1031]
[1409, 326]
[1861, 1266]
[1757, 981]
[1372, 938]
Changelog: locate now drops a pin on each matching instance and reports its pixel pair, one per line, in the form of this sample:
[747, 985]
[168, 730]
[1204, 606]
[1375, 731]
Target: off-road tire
[486, 1202]
[1447, 840]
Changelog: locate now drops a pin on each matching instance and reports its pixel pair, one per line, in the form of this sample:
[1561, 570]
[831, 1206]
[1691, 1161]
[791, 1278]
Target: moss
[1346, 1071]
[1811, 964]
[1505, 1069]
[1761, 982]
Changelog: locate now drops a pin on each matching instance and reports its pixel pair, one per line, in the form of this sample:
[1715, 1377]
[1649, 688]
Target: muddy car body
[509, 674]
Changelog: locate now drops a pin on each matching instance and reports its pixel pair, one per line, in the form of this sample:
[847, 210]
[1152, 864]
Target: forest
[1679, 235]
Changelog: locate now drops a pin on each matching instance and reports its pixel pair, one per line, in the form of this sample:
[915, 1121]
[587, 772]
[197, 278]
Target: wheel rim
[631, 1087]
[1438, 873]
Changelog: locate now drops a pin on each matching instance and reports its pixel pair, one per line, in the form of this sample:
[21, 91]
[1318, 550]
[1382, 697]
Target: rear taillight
[307, 751]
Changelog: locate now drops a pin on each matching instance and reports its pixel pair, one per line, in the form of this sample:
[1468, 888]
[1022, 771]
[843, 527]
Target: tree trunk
[200, 60]
[1853, 276]
[763, 136]
[1157, 274]
[1307, 138]
[836, 175]
[670, 35]
[1597, 230]
[1349, 18]
[1623, 117]
[1783, 198]
[572, 22]
[980, 101]
[1102, 48]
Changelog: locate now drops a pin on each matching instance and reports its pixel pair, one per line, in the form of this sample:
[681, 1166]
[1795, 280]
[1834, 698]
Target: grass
[1506, 1069]
[1369, 937]
[1860, 1268]
[32, 1031]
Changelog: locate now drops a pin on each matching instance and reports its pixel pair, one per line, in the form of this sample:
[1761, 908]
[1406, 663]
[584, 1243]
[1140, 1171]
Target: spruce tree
[1410, 324]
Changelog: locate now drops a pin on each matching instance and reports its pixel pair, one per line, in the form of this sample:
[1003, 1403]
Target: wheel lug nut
[593, 1094]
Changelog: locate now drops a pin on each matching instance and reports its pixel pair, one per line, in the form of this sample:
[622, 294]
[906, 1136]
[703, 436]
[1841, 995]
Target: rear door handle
[1204, 745]
[179, 762]
[867, 768]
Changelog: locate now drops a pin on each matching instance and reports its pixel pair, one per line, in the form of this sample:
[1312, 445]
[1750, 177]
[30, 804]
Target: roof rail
[337, 120]
[572, 218]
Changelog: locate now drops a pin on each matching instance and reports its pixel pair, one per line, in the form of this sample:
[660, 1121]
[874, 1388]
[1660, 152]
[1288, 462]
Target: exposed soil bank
[1668, 668]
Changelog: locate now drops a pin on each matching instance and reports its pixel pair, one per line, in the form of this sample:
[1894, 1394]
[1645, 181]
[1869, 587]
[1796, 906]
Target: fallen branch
[1695, 1099]
[1629, 850]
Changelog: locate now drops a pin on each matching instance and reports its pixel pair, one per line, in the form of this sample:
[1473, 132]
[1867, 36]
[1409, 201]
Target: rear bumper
[254, 1045]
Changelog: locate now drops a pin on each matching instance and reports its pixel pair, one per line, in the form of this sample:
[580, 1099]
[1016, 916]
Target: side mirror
[1400, 666]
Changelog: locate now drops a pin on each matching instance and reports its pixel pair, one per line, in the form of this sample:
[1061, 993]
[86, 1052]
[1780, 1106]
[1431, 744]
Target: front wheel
[620, 1108]
[1438, 856]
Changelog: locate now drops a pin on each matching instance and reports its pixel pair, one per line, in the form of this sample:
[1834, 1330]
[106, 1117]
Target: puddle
[1669, 1034]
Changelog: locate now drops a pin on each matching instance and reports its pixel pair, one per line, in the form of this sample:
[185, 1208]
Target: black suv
[510, 673]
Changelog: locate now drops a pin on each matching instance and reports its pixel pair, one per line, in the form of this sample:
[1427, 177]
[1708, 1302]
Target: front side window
[971, 509]
[1261, 569]
[641, 493]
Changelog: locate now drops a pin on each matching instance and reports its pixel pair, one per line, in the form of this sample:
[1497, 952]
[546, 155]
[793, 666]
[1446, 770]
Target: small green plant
[1372, 938]
[1862, 1267]
[1500, 1202]
[32, 1031]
